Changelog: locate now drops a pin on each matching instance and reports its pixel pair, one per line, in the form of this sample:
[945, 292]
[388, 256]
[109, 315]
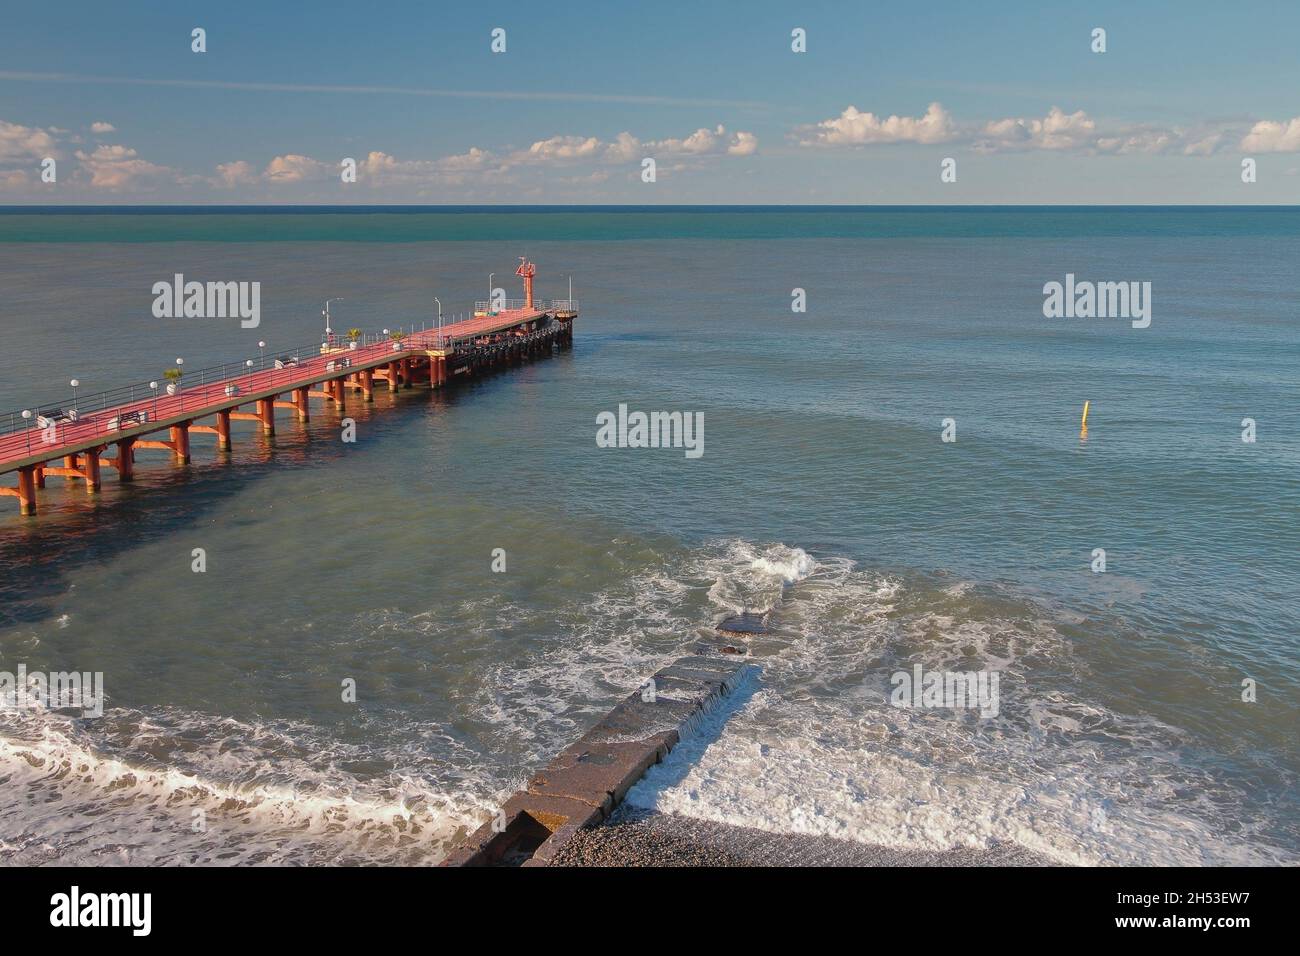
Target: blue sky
[586, 91]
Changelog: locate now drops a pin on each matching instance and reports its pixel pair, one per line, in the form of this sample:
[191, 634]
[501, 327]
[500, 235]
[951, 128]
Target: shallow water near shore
[824, 496]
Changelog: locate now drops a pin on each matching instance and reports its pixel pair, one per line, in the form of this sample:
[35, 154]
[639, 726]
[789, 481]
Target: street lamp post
[74, 383]
[491, 277]
[27, 428]
[326, 312]
[261, 358]
[154, 387]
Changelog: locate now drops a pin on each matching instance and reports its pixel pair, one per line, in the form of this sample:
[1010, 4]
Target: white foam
[818, 750]
[73, 804]
[792, 567]
[814, 749]
[750, 578]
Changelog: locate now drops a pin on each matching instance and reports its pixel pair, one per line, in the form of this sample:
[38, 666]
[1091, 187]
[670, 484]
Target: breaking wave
[813, 747]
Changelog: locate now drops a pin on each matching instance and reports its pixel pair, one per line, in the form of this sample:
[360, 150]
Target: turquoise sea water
[825, 495]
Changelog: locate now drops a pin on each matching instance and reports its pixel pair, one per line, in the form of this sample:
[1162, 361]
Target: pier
[78, 442]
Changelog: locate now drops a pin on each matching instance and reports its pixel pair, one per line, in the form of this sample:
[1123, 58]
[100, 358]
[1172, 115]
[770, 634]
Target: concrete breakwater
[583, 785]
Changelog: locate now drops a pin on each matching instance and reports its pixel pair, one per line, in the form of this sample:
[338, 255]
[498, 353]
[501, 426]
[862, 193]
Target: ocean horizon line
[342, 208]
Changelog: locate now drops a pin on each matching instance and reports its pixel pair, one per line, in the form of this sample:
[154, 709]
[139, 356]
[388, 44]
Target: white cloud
[707, 142]
[1057, 130]
[1270, 136]
[381, 169]
[99, 127]
[626, 148]
[118, 168]
[475, 158]
[561, 149]
[239, 173]
[855, 128]
[1204, 146]
[294, 168]
[746, 144]
[25, 143]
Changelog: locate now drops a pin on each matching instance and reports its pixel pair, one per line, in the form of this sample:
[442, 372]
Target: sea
[388, 636]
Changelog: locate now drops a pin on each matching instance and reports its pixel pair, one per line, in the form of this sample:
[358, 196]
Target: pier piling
[180, 442]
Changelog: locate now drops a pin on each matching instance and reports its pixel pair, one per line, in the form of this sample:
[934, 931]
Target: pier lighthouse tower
[527, 270]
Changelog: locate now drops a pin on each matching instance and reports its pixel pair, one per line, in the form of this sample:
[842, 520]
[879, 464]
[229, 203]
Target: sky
[1013, 93]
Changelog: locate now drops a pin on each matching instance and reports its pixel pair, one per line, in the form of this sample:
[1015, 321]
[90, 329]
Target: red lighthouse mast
[527, 270]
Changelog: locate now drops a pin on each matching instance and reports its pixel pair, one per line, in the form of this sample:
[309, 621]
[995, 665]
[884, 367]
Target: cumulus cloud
[231, 175]
[561, 149]
[294, 168]
[1270, 136]
[1057, 131]
[1204, 145]
[745, 144]
[557, 151]
[855, 128]
[381, 169]
[474, 158]
[99, 127]
[624, 148]
[114, 168]
[118, 168]
[19, 143]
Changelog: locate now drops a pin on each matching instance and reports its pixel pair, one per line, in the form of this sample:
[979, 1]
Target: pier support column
[27, 490]
[300, 399]
[266, 412]
[368, 384]
[181, 442]
[40, 476]
[392, 376]
[92, 469]
[223, 430]
[126, 459]
[340, 392]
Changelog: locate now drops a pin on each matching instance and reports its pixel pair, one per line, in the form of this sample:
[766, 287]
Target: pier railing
[506, 305]
[209, 383]
[94, 417]
[88, 402]
[514, 305]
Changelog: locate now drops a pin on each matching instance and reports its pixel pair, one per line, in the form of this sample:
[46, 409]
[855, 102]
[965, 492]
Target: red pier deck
[75, 449]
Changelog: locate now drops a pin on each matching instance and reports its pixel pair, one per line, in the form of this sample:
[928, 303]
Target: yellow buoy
[1084, 422]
